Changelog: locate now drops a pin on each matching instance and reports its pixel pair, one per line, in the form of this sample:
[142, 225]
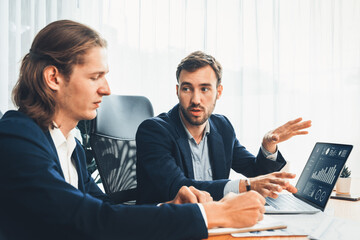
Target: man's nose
[105, 89]
[196, 98]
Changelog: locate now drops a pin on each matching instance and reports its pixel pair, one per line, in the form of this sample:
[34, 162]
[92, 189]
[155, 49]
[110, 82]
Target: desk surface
[343, 209]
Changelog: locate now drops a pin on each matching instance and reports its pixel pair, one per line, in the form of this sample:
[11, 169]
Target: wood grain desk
[343, 209]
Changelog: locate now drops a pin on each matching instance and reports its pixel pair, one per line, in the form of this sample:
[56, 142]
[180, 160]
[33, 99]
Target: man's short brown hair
[197, 60]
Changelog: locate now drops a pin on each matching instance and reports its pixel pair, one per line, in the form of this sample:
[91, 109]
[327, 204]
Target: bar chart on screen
[326, 175]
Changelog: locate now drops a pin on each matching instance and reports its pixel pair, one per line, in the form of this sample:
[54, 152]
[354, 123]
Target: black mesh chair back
[112, 141]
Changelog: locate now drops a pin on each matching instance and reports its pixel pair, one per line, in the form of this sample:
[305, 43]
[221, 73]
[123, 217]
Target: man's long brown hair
[61, 44]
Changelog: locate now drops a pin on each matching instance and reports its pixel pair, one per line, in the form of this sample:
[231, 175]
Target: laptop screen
[321, 172]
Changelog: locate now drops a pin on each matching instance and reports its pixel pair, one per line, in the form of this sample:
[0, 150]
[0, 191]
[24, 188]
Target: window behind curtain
[281, 59]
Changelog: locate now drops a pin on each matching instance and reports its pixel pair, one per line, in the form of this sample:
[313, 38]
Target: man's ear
[177, 90]
[219, 91]
[52, 77]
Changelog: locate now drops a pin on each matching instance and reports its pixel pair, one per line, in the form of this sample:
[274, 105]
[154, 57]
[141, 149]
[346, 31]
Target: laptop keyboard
[288, 202]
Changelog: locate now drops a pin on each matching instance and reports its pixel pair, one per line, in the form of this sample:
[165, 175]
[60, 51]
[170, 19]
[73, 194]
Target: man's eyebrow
[202, 84]
[185, 83]
[99, 72]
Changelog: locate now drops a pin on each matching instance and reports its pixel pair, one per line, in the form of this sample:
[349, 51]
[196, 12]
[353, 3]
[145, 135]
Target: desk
[342, 209]
[347, 209]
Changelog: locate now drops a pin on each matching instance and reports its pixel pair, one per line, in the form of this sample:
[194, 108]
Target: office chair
[112, 140]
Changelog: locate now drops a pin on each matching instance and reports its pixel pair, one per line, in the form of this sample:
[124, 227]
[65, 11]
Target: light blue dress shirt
[201, 161]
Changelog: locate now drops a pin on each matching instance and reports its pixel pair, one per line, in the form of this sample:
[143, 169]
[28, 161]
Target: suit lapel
[182, 141]
[75, 158]
[216, 153]
[54, 151]
[186, 152]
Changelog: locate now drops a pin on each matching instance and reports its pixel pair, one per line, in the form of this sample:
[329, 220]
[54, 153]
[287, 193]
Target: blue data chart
[326, 175]
[321, 172]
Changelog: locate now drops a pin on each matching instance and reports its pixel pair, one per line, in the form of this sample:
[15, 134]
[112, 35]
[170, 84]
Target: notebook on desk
[316, 181]
[268, 223]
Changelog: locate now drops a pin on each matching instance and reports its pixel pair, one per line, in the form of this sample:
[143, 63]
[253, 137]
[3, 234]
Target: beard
[199, 120]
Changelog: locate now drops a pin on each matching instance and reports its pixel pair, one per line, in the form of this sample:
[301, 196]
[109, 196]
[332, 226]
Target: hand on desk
[267, 185]
[191, 195]
[235, 210]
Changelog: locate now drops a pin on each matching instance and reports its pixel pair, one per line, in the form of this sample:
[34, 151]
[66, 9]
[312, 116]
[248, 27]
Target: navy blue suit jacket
[37, 203]
[164, 162]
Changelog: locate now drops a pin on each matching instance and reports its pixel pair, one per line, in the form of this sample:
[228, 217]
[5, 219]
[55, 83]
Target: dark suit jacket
[37, 203]
[164, 162]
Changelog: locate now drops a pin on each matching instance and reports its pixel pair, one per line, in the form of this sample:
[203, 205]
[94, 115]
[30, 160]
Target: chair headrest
[119, 116]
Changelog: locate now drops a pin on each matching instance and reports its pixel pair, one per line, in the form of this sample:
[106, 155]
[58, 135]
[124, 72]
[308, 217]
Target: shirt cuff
[232, 186]
[202, 210]
[269, 155]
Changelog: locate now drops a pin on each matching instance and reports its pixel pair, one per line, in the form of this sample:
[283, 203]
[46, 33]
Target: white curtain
[282, 58]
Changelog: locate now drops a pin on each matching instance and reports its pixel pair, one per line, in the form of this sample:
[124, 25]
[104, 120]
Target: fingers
[255, 196]
[261, 215]
[301, 133]
[185, 195]
[271, 184]
[270, 193]
[284, 175]
[291, 189]
[295, 127]
[258, 207]
[291, 122]
[202, 196]
[241, 210]
[274, 187]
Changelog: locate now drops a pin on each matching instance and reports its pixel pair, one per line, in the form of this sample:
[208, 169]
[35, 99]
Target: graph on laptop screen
[321, 171]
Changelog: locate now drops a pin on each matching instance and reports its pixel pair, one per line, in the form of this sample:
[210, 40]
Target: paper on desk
[320, 226]
[267, 223]
[336, 228]
[289, 231]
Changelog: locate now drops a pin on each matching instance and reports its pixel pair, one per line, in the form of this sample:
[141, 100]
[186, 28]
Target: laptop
[316, 181]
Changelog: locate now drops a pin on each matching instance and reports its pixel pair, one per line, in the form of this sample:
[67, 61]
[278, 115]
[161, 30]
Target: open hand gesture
[285, 132]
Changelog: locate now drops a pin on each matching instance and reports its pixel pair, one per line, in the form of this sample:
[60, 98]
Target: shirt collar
[206, 131]
[59, 138]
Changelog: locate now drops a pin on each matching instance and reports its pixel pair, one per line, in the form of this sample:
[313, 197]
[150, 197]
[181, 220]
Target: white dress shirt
[65, 147]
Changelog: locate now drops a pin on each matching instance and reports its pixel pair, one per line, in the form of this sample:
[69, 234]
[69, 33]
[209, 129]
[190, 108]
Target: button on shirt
[201, 159]
[200, 155]
[65, 147]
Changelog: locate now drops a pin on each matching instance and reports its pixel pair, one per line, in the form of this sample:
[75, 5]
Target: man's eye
[204, 89]
[94, 78]
[186, 89]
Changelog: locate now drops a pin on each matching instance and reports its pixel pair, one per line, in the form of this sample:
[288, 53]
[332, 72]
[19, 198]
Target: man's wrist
[244, 185]
[215, 214]
[269, 155]
[247, 184]
[268, 145]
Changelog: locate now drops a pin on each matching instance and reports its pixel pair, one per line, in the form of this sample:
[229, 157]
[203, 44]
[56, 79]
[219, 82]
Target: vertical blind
[282, 58]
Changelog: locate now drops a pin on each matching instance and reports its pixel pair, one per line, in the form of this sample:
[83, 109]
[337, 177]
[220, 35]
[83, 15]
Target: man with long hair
[46, 191]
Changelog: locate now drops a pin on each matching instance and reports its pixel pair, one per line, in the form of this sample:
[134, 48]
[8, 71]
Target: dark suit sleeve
[250, 166]
[36, 203]
[160, 170]
[246, 163]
